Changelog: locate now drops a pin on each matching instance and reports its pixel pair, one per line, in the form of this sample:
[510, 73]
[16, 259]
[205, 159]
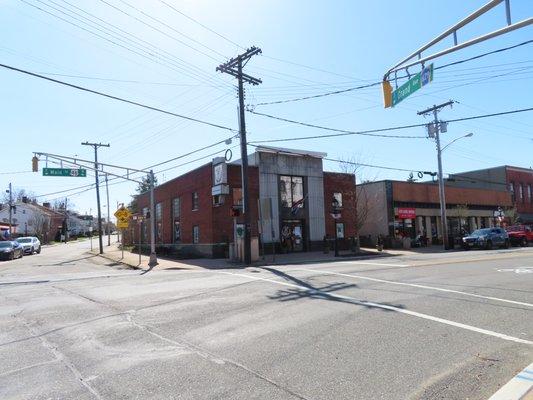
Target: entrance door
[292, 234]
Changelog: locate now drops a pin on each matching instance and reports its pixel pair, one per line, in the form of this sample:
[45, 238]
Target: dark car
[10, 250]
[486, 238]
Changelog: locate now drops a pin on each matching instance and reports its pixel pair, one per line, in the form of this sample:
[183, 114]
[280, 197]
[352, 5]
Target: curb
[518, 387]
[130, 266]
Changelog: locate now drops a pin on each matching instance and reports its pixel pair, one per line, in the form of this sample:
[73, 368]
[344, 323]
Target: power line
[115, 97]
[401, 77]
[202, 25]
[171, 28]
[151, 51]
[343, 132]
[371, 132]
[15, 172]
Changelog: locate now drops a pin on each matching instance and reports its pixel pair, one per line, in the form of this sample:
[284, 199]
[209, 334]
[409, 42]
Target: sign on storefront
[406, 213]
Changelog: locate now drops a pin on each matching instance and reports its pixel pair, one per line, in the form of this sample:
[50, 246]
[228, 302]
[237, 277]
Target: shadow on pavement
[325, 292]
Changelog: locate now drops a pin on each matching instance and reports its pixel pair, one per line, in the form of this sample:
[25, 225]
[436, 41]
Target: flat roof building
[291, 205]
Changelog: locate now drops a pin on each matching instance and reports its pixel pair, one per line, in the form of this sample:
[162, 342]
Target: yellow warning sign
[123, 217]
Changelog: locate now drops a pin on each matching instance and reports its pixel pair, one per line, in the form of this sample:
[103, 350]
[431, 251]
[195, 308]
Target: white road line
[390, 308]
[521, 303]
[372, 263]
[517, 387]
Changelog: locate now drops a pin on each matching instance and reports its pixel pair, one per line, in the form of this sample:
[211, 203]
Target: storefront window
[158, 222]
[338, 197]
[195, 234]
[195, 201]
[176, 212]
[291, 191]
[237, 196]
[529, 193]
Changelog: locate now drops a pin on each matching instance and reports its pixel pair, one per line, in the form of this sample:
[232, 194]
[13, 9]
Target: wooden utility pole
[234, 68]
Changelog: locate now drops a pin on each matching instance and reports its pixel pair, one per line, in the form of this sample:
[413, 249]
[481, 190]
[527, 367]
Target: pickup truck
[520, 235]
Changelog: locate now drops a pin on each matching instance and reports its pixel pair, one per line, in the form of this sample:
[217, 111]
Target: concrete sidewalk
[114, 253]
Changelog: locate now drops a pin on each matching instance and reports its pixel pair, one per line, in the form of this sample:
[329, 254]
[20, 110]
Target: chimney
[47, 205]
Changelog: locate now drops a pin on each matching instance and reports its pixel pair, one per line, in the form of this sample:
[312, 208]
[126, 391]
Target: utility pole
[66, 220]
[152, 262]
[96, 146]
[234, 68]
[434, 130]
[108, 220]
[10, 209]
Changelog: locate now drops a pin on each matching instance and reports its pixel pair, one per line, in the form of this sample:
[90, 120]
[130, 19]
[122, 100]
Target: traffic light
[235, 211]
[35, 164]
[387, 93]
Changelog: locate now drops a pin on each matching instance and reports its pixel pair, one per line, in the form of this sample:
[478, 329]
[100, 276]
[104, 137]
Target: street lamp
[470, 134]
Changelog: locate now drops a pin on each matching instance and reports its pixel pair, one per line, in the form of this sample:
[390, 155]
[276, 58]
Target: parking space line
[353, 300]
[521, 303]
[517, 387]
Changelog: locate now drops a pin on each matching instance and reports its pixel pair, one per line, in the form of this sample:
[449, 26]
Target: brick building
[397, 209]
[514, 180]
[193, 212]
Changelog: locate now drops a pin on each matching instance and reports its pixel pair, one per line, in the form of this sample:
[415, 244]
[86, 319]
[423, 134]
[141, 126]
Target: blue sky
[336, 44]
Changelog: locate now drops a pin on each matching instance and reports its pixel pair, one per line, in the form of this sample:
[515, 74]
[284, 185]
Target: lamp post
[470, 134]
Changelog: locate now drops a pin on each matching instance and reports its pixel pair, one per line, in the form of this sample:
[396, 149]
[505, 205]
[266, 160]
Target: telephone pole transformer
[433, 131]
[234, 68]
[96, 146]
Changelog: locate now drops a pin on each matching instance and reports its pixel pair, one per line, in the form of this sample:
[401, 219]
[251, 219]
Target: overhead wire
[152, 52]
[372, 132]
[121, 99]
[331, 93]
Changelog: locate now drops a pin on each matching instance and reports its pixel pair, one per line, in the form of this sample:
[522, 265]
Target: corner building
[292, 203]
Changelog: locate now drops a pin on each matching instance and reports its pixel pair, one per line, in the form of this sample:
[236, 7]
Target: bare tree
[363, 207]
[511, 214]
[40, 224]
[462, 214]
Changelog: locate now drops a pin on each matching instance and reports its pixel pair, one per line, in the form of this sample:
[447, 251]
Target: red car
[520, 235]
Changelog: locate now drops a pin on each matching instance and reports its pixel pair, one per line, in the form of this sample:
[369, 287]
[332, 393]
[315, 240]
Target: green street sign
[412, 85]
[81, 173]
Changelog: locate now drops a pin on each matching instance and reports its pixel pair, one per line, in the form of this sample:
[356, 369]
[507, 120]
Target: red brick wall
[345, 184]
[429, 193]
[222, 219]
[523, 177]
[215, 222]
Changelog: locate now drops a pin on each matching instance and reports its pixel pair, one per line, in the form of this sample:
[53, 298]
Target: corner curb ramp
[518, 388]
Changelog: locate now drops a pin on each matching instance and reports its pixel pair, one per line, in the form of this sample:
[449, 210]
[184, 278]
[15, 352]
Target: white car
[30, 244]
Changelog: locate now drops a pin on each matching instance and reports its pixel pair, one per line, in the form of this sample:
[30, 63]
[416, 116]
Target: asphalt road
[432, 326]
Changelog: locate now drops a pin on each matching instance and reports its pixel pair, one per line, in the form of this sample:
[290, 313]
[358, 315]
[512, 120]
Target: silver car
[30, 244]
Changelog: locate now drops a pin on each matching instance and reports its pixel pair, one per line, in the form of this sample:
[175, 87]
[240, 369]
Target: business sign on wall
[406, 213]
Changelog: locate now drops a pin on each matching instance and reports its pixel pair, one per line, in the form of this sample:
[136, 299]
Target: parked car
[486, 238]
[520, 235]
[10, 250]
[30, 244]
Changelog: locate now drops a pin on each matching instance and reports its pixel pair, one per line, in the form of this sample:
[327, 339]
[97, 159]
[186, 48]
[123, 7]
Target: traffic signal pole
[96, 146]
[234, 68]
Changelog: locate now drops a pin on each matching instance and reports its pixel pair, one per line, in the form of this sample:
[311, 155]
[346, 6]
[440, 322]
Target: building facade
[34, 219]
[518, 182]
[200, 212]
[398, 209]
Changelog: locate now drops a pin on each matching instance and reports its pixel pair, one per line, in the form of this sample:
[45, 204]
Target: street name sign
[74, 172]
[420, 79]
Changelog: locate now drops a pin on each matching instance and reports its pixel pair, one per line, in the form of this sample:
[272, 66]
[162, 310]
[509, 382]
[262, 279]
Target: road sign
[75, 172]
[123, 213]
[123, 217]
[412, 85]
[122, 223]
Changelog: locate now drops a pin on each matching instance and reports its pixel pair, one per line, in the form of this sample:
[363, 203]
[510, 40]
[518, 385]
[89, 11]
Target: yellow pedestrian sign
[123, 217]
